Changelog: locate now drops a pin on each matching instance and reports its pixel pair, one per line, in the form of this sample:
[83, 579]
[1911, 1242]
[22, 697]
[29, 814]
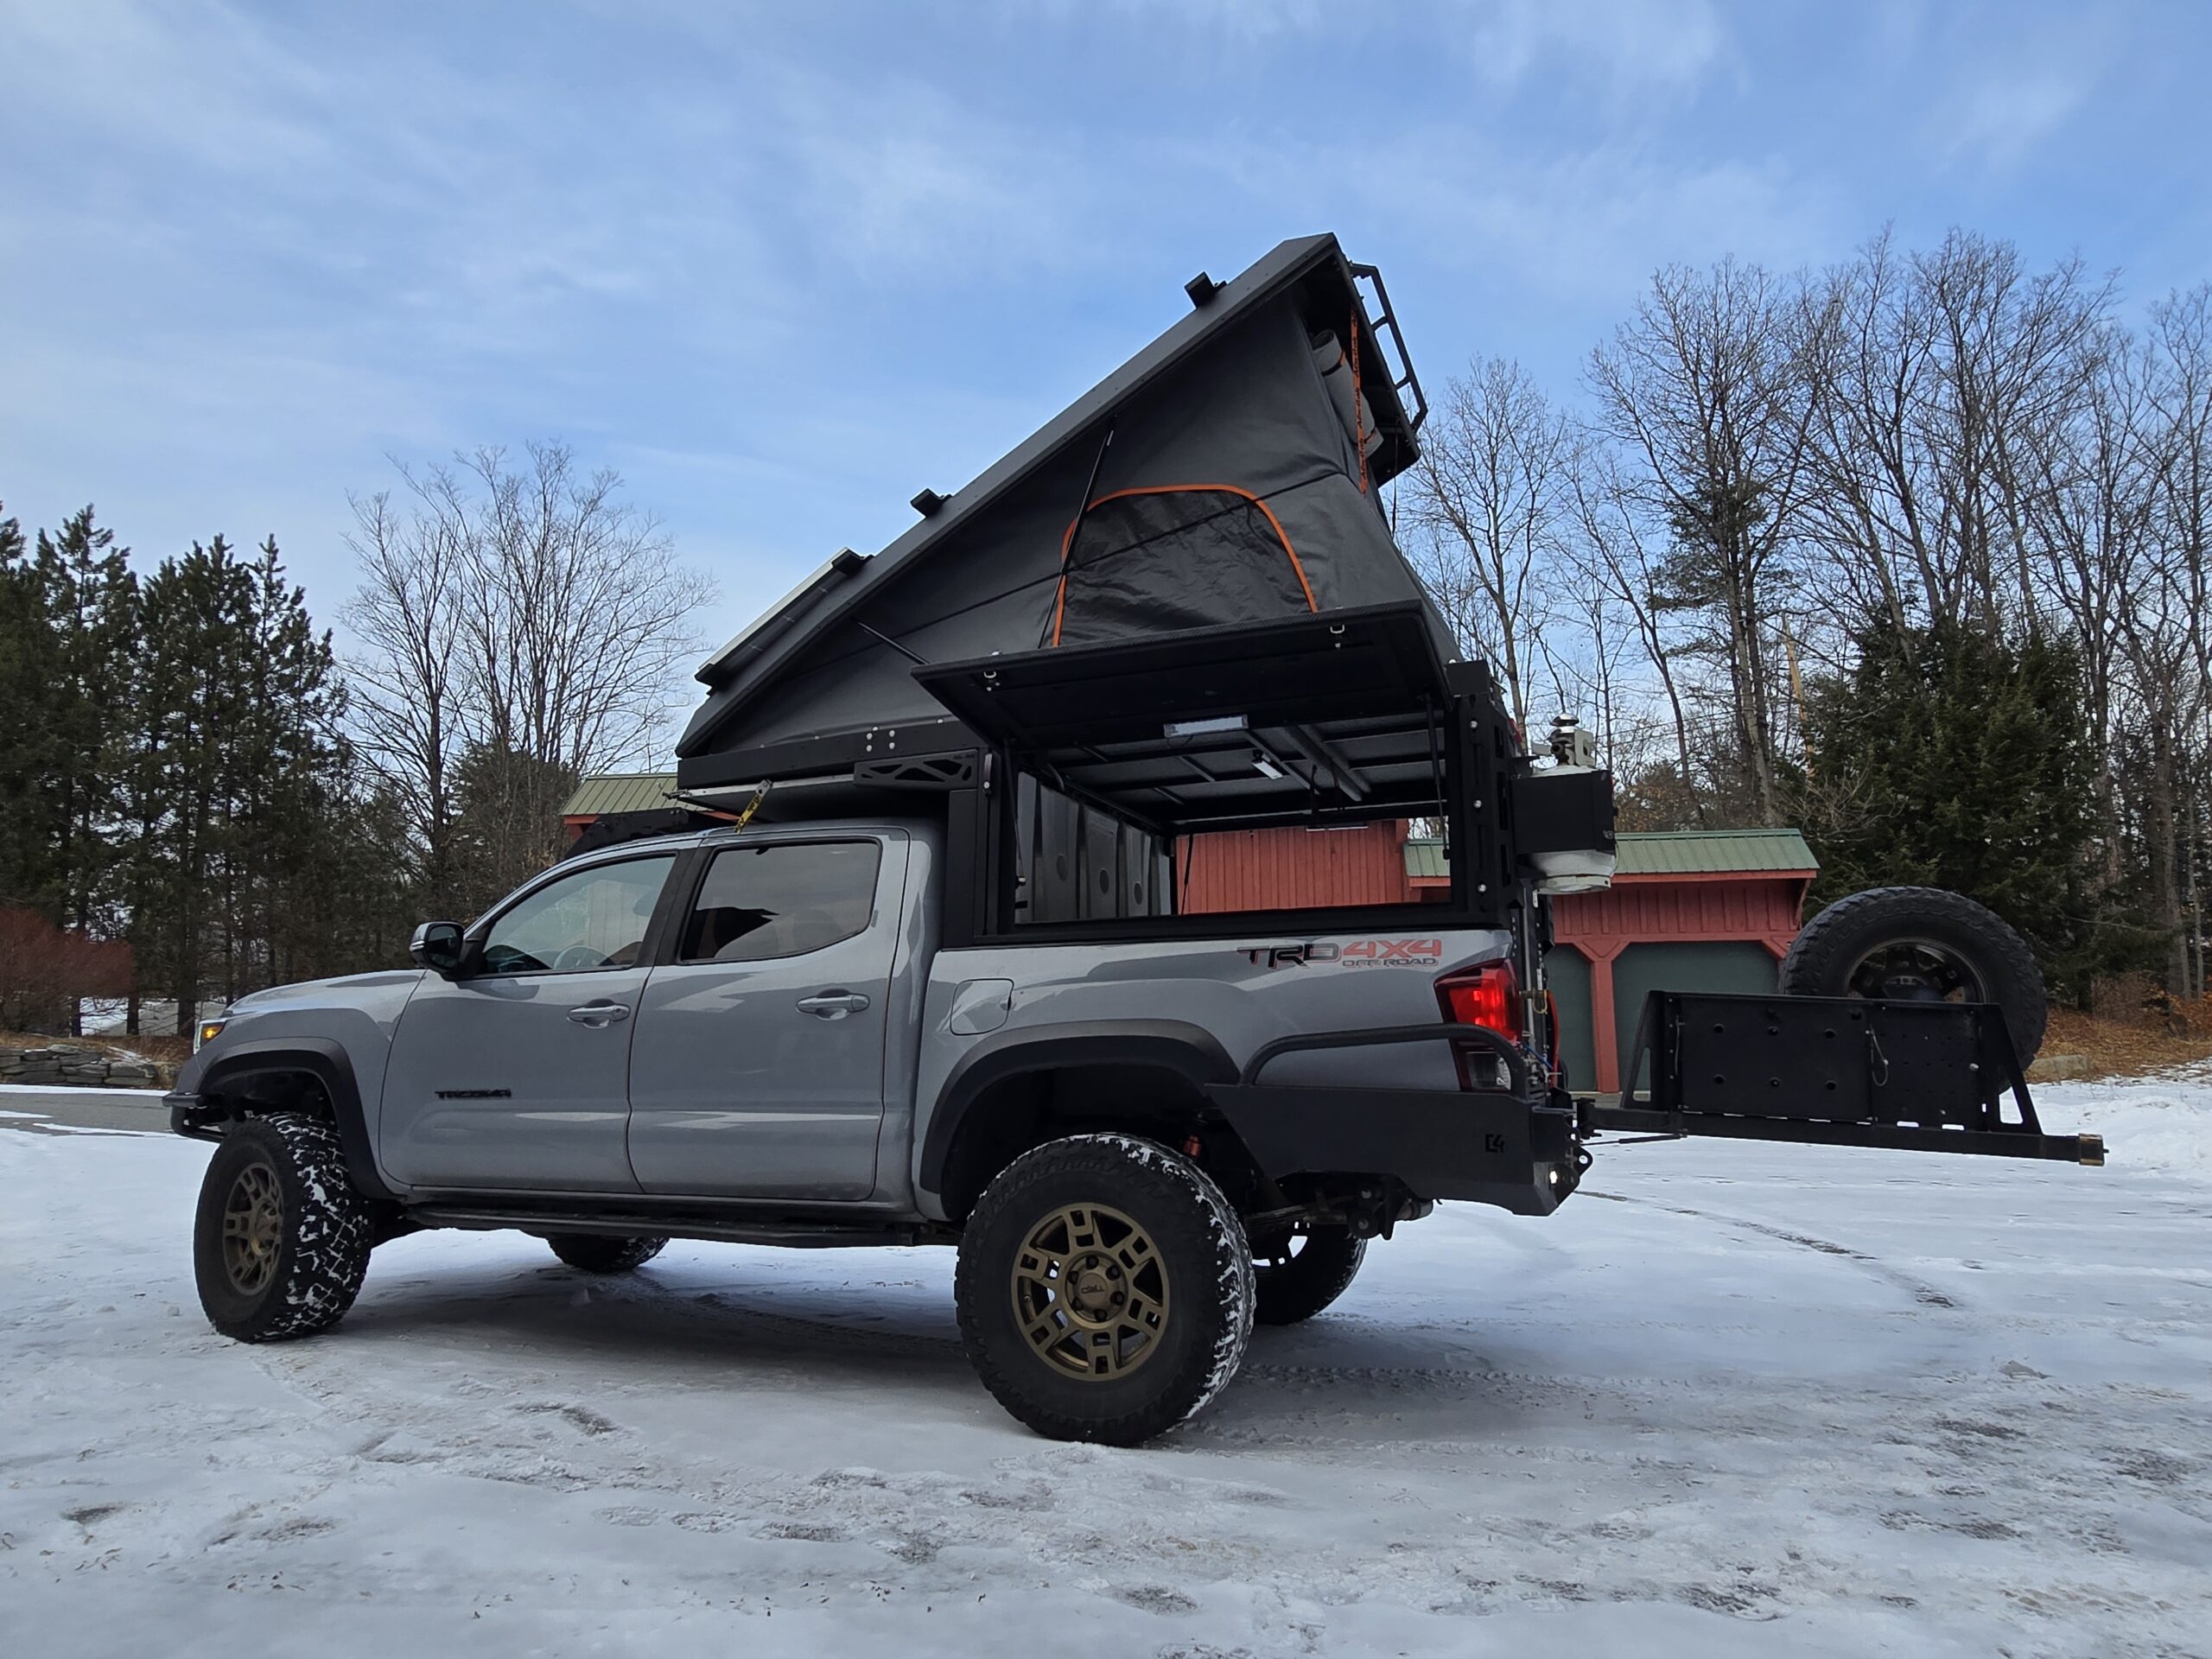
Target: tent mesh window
[1179, 556]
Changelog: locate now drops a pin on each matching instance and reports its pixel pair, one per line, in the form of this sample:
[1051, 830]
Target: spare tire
[1920, 944]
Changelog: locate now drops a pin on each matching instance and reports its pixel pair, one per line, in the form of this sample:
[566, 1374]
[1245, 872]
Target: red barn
[1708, 910]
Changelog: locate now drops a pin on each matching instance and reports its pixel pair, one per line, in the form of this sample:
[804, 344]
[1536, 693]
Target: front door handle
[597, 1015]
[834, 1004]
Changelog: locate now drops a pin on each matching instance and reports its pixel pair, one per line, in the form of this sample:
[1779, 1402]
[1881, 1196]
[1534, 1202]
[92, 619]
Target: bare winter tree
[525, 624]
[1705, 387]
[2165, 630]
[406, 699]
[1945, 384]
[2182, 331]
[1615, 559]
[1488, 499]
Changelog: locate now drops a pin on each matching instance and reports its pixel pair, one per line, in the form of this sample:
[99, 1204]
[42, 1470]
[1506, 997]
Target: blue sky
[783, 266]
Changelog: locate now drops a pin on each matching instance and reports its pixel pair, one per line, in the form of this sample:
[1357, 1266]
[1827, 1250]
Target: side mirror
[438, 946]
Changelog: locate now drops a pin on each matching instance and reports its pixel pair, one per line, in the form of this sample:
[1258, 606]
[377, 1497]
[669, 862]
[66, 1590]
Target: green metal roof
[1424, 859]
[1670, 852]
[620, 791]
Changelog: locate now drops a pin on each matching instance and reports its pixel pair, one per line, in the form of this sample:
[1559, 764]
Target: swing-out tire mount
[1845, 1072]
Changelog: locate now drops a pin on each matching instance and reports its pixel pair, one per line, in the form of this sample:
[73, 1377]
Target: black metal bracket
[952, 769]
[1920, 1077]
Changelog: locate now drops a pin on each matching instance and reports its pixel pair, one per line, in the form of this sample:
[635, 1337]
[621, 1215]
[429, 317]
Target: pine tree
[283, 772]
[1947, 757]
[507, 826]
[30, 676]
[92, 599]
[196, 690]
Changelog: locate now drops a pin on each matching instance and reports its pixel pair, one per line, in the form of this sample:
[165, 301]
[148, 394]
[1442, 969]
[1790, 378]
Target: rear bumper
[1483, 1147]
[1513, 1148]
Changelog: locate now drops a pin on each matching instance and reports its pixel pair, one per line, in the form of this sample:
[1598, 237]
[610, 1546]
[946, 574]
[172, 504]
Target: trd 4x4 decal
[1357, 953]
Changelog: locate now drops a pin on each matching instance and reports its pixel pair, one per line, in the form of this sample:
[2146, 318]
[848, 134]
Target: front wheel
[1105, 1289]
[280, 1244]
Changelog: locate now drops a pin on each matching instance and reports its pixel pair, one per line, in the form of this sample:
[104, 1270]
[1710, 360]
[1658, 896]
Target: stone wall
[66, 1066]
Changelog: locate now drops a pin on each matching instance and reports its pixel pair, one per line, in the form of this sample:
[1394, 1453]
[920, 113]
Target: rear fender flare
[330, 1065]
[1190, 1051]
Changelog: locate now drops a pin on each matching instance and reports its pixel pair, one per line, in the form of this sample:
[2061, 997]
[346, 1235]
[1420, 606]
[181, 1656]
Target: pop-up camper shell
[1177, 607]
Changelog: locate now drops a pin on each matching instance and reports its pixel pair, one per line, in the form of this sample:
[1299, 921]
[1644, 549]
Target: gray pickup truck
[922, 959]
[757, 1035]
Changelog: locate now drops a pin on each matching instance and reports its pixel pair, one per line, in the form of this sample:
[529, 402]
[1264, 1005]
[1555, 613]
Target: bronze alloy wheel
[1089, 1292]
[253, 1229]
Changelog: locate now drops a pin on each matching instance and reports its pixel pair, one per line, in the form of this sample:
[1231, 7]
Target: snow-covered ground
[1730, 1400]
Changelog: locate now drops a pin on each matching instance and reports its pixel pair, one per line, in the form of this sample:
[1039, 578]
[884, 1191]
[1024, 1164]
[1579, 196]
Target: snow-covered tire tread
[1128, 1172]
[328, 1230]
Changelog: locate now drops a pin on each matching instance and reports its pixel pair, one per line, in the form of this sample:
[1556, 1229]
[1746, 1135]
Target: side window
[758, 903]
[594, 919]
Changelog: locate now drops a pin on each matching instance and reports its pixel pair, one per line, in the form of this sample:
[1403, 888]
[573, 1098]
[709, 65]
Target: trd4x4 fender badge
[476, 1094]
[1356, 953]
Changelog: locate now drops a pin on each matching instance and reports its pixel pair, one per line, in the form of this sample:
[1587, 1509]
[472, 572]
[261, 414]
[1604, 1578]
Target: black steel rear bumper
[1513, 1148]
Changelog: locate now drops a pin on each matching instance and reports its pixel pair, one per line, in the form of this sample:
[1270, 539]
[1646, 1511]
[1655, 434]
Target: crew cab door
[757, 1071]
[516, 1075]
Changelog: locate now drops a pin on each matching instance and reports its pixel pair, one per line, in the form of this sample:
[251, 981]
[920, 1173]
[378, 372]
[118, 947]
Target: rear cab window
[781, 899]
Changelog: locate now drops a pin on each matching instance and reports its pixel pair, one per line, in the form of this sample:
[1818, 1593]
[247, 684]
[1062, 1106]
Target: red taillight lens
[1488, 996]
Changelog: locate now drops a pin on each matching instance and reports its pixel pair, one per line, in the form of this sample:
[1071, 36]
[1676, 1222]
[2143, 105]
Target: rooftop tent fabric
[1227, 489]
[1127, 561]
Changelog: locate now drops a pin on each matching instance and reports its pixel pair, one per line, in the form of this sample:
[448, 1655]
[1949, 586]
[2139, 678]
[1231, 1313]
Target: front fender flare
[1190, 1050]
[327, 1062]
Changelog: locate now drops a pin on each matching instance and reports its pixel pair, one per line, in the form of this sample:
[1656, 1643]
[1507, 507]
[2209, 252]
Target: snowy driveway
[1730, 1400]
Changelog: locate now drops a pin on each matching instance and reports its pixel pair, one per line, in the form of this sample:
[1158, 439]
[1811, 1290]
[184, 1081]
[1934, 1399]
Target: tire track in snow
[1919, 1289]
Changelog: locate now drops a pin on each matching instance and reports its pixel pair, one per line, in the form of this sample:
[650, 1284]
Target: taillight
[1488, 996]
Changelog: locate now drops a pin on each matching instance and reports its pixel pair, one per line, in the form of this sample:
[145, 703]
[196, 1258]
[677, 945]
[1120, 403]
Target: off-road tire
[318, 1244]
[1826, 949]
[1322, 1269]
[604, 1252]
[1200, 1248]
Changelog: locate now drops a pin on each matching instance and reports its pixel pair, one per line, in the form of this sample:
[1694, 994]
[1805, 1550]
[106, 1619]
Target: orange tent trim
[1067, 542]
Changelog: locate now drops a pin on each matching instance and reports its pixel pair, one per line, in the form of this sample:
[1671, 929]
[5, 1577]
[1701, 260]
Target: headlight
[209, 1030]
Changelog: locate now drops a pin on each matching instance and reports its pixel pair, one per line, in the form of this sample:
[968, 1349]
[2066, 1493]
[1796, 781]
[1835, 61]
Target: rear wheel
[281, 1240]
[1920, 944]
[1105, 1289]
[605, 1252]
[1300, 1274]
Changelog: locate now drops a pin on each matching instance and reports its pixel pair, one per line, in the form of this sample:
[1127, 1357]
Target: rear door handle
[600, 1013]
[834, 1004]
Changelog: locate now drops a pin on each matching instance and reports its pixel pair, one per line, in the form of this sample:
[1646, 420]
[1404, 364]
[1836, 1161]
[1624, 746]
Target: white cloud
[2017, 81]
[1663, 43]
[2003, 117]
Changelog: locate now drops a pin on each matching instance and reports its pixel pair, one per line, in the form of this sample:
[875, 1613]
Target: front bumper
[192, 1118]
